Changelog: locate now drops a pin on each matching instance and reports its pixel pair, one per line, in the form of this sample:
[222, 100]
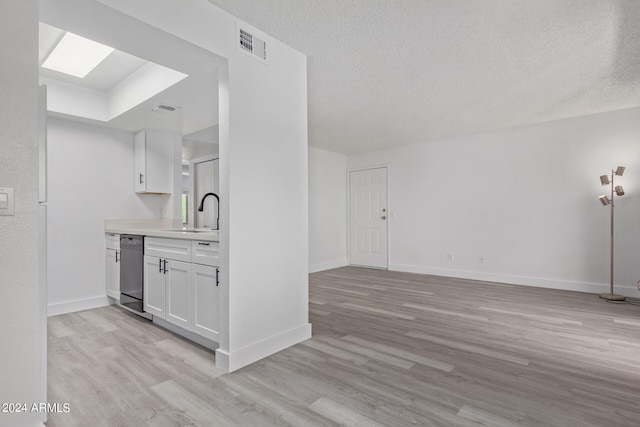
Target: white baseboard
[539, 282]
[234, 360]
[77, 305]
[222, 359]
[327, 265]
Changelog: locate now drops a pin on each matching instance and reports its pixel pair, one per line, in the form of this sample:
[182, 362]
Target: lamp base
[612, 297]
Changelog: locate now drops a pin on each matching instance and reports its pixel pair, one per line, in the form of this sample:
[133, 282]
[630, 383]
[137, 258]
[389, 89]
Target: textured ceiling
[383, 73]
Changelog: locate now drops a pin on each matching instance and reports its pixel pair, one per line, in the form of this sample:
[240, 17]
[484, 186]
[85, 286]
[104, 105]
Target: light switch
[6, 201]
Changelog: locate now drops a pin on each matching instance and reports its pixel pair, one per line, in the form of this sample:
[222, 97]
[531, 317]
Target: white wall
[20, 315]
[327, 209]
[263, 180]
[90, 179]
[525, 199]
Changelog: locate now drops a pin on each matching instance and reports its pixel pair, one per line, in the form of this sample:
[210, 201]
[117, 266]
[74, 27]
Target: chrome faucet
[201, 207]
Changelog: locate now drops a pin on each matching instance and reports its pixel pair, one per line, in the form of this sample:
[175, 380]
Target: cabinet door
[153, 159]
[113, 274]
[159, 164]
[205, 253]
[178, 302]
[140, 159]
[205, 302]
[154, 286]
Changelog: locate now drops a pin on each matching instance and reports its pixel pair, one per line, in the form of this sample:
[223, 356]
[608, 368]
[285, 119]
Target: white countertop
[159, 228]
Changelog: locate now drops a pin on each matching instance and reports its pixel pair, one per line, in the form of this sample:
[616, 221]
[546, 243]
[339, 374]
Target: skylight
[76, 56]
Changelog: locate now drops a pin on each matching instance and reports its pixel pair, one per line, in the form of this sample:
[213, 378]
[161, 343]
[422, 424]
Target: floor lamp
[616, 190]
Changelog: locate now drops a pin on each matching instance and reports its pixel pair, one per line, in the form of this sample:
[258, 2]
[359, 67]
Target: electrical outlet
[481, 259]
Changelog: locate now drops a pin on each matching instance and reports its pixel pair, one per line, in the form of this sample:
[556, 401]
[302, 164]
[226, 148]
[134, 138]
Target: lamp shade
[604, 200]
[619, 190]
[604, 180]
[620, 170]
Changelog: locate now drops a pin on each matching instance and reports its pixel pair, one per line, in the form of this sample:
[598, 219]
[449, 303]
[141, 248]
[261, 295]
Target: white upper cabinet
[153, 162]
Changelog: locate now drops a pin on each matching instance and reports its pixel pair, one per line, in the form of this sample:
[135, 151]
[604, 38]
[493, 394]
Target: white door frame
[384, 166]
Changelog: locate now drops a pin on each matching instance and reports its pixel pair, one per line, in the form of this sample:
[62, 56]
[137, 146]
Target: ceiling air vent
[252, 45]
[163, 108]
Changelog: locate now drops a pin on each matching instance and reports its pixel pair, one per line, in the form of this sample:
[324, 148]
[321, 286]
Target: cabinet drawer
[177, 249]
[205, 253]
[113, 241]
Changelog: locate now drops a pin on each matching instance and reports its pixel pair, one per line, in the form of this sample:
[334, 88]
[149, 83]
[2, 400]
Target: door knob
[384, 217]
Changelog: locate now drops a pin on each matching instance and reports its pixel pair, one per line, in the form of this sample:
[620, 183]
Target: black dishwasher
[131, 272]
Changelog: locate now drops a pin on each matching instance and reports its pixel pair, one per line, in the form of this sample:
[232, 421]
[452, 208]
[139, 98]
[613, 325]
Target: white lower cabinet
[154, 286]
[178, 291]
[205, 301]
[113, 273]
[167, 290]
[183, 293]
[113, 265]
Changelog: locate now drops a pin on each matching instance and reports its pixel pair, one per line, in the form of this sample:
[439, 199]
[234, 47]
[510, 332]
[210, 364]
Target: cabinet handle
[203, 243]
[141, 182]
[217, 276]
[165, 266]
[159, 265]
[117, 253]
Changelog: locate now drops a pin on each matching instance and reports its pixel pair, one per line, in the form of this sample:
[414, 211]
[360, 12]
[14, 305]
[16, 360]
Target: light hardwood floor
[388, 349]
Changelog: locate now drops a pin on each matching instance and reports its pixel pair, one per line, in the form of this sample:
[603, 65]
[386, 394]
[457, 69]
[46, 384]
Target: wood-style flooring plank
[389, 349]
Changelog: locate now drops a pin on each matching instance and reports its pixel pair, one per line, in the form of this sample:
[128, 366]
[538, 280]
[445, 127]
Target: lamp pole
[615, 191]
[612, 237]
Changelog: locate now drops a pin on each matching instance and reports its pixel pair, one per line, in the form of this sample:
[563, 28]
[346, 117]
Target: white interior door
[206, 181]
[368, 217]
